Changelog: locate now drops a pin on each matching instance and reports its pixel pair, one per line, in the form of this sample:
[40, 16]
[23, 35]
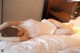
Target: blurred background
[11, 10]
[60, 10]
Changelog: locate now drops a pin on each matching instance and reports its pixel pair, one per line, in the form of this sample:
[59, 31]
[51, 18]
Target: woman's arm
[61, 28]
[14, 23]
[64, 31]
[57, 23]
[9, 23]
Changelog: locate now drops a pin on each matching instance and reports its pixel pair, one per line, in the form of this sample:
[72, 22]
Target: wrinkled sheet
[44, 44]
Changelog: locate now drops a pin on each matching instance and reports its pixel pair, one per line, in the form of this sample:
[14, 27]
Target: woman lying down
[32, 28]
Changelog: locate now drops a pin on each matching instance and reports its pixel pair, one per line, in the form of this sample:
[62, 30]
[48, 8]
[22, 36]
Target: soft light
[76, 29]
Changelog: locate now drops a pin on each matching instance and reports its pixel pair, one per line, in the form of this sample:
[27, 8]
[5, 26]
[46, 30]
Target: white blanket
[43, 44]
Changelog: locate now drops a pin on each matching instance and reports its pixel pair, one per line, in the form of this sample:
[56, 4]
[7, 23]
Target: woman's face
[20, 32]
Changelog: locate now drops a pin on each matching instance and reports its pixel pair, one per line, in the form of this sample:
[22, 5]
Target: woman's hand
[24, 38]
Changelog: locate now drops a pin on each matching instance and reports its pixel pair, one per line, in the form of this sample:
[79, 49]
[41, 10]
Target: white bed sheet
[43, 44]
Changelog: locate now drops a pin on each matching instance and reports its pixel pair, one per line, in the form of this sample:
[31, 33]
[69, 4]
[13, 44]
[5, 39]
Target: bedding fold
[44, 44]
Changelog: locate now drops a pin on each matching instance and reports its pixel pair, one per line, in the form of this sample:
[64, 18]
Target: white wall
[22, 9]
[0, 9]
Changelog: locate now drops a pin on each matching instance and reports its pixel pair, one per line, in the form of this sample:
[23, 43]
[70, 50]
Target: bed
[44, 44]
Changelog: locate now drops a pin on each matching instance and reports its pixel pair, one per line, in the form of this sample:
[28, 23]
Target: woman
[25, 35]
